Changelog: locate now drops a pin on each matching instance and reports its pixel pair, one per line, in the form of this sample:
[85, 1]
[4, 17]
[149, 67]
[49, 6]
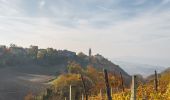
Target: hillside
[161, 75]
[28, 69]
[163, 79]
[95, 85]
[167, 71]
[100, 63]
[19, 56]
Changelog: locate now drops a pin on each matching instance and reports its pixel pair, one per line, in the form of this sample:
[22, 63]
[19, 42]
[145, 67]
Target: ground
[15, 84]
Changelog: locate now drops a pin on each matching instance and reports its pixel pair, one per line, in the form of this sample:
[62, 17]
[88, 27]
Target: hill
[143, 69]
[167, 71]
[19, 56]
[28, 69]
[161, 75]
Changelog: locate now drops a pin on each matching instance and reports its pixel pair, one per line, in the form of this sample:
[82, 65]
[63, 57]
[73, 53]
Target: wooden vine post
[156, 81]
[84, 87]
[122, 82]
[134, 87]
[82, 97]
[107, 85]
[70, 92]
[100, 93]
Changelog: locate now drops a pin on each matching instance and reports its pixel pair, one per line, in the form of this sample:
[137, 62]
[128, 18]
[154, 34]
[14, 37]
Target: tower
[90, 52]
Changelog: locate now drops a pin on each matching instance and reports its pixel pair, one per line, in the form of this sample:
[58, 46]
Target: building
[2, 49]
[17, 50]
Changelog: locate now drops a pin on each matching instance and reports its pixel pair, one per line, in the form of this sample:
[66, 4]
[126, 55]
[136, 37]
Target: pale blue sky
[130, 30]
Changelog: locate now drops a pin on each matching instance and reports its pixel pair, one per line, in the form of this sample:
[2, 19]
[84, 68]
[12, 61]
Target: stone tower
[90, 52]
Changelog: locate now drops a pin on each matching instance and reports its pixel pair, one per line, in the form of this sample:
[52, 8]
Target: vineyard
[90, 84]
[127, 96]
[143, 92]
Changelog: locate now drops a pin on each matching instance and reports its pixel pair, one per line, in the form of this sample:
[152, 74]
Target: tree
[29, 96]
[41, 54]
[74, 67]
[81, 55]
[13, 45]
[33, 50]
[62, 83]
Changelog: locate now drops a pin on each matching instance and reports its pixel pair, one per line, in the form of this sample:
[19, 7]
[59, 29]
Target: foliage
[62, 84]
[167, 94]
[73, 67]
[94, 81]
[29, 96]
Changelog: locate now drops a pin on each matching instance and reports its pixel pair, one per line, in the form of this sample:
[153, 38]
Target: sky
[127, 30]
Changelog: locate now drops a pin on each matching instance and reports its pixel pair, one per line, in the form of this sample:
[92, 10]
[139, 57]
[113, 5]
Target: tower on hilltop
[90, 53]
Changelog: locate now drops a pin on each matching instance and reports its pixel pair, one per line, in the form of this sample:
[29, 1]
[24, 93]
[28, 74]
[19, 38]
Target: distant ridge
[137, 68]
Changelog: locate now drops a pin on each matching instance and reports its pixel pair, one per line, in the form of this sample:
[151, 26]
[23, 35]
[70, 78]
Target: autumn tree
[74, 67]
[62, 83]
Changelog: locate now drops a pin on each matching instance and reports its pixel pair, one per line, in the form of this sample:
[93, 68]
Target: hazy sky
[130, 30]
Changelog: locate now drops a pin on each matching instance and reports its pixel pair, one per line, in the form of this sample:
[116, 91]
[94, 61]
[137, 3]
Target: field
[14, 84]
